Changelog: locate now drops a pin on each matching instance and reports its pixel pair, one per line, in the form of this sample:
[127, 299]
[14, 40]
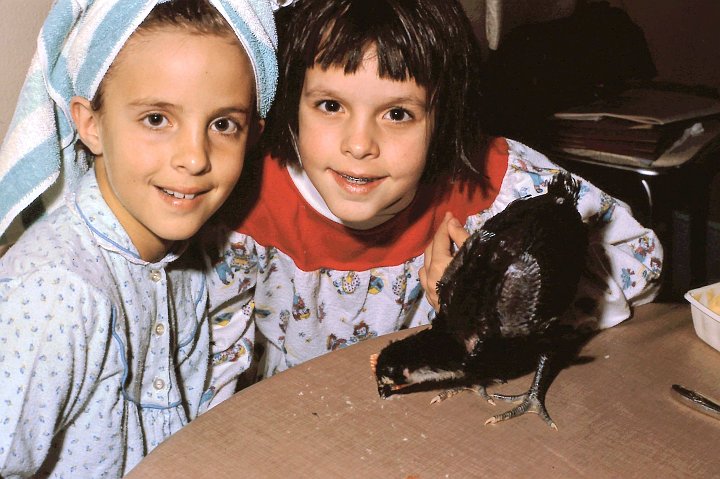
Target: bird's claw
[530, 403]
[444, 395]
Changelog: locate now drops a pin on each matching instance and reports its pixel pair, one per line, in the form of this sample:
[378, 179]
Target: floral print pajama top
[293, 284]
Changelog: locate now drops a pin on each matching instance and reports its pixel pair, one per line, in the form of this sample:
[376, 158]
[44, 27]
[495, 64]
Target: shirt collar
[312, 196]
[105, 227]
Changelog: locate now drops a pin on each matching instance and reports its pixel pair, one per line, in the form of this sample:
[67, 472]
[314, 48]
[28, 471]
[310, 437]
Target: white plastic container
[704, 303]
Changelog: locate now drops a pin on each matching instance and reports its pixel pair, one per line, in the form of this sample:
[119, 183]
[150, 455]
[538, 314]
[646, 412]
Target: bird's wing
[470, 252]
[519, 296]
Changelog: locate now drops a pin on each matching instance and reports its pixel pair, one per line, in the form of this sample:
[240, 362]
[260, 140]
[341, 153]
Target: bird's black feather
[509, 282]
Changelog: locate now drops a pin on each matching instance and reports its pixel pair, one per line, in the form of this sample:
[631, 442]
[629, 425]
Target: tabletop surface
[324, 418]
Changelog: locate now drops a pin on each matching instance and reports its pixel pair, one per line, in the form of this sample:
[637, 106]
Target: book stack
[636, 127]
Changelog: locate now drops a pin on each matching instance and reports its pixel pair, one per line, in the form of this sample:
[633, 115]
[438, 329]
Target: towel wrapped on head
[39, 161]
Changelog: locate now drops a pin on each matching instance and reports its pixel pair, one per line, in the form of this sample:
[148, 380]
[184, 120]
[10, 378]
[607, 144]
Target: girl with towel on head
[105, 341]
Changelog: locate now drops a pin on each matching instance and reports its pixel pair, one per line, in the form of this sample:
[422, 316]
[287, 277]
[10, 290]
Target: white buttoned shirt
[102, 355]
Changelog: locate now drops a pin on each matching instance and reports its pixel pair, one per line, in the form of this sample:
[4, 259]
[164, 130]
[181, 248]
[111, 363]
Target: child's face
[363, 140]
[170, 138]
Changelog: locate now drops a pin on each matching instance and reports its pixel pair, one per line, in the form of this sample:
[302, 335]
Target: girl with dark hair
[374, 137]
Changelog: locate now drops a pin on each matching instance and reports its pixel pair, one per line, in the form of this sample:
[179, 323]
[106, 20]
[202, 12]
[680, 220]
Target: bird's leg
[532, 401]
[448, 393]
[476, 388]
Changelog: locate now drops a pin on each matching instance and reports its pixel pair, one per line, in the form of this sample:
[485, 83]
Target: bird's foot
[448, 393]
[530, 402]
[509, 397]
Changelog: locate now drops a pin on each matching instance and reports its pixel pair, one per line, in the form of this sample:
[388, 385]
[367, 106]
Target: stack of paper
[635, 127]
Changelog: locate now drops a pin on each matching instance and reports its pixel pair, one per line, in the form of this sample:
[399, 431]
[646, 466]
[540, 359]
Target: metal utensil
[695, 400]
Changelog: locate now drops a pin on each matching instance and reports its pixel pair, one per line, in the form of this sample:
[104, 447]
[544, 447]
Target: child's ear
[256, 130]
[86, 121]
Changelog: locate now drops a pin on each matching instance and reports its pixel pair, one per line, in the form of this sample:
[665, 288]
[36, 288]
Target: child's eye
[225, 126]
[329, 106]
[398, 115]
[155, 120]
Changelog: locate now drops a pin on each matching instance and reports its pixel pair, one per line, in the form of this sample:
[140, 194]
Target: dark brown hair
[430, 41]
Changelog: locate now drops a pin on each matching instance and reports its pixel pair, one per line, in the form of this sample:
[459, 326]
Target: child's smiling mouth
[357, 180]
[179, 195]
[185, 194]
[357, 185]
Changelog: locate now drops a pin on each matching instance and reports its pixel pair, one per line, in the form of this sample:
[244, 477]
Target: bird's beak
[387, 388]
[384, 390]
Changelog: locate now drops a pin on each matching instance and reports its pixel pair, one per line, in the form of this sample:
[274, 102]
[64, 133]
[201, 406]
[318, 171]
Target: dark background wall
[684, 41]
[683, 36]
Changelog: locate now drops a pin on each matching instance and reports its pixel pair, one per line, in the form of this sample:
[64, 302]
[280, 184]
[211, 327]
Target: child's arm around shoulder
[232, 266]
[624, 259]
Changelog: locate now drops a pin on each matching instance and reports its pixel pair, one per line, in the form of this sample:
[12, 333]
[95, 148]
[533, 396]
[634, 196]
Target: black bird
[505, 291]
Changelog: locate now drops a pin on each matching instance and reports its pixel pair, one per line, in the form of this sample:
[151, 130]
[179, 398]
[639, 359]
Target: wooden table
[323, 419]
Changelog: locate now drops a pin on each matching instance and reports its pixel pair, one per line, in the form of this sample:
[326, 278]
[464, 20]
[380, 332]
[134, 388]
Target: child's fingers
[438, 238]
[437, 256]
[423, 278]
[427, 286]
[441, 242]
[427, 259]
[456, 232]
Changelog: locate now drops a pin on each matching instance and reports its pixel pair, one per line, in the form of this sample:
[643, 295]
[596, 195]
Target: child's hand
[438, 255]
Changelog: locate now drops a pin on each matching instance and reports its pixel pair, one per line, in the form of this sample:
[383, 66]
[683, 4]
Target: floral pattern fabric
[261, 299]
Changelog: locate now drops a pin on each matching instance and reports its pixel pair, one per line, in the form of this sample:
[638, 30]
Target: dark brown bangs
[428, 41]
[403, 50]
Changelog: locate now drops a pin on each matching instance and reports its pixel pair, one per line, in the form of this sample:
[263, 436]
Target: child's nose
[360, 140]
[191, 152]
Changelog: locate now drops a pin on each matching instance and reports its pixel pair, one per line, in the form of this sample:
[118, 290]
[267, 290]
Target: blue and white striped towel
[78, 42]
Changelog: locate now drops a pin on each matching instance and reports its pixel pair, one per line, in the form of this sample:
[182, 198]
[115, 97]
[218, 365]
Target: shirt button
[158, 384]
[155, 275]
[159, 329]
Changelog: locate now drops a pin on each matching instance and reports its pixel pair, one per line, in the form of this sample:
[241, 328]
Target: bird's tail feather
[563, 185]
